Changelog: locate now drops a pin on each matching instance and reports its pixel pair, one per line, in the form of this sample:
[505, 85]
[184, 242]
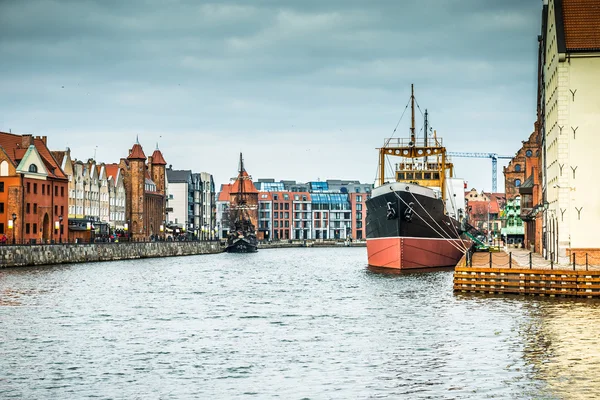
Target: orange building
[33, 191]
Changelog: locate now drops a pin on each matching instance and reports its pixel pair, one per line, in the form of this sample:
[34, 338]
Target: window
[1, 227]
[518, 168]
[34, 228]
[359, 207]
[43, 189]
[35, 188]
[517, 182]
[528, 153]
[33, 168]
[1, 208]
[28, 187]
[27, 228]
[62, 191]
[56, 191]
[359, 199]
[28, 208]
[35, 208]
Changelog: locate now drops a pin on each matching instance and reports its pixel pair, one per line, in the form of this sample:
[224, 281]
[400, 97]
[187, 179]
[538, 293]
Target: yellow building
[571, 68]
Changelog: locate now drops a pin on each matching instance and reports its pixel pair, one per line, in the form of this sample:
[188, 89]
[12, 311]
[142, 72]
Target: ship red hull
[413, 253]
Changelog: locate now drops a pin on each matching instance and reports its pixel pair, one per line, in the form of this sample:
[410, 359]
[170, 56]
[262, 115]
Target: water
[288, 324]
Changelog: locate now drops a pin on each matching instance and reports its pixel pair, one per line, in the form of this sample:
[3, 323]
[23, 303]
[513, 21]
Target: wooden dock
[504, 273]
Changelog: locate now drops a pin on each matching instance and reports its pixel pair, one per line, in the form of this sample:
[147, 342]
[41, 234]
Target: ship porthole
[397, 151]
[420, 151]
[390, 151]
[405, 151]
[428, 151]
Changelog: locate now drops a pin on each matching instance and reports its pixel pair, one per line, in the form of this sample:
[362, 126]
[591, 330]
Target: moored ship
[414, 217]
[242, 214]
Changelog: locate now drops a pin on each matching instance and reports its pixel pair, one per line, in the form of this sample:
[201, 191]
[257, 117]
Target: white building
[571, 68]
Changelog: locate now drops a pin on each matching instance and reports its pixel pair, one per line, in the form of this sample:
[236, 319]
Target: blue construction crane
[494, 158]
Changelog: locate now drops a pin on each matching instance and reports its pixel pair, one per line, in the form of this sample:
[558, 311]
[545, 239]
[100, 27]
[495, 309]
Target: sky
[306, 89]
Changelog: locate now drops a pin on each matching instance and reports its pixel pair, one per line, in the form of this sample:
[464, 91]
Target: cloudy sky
[307, 89]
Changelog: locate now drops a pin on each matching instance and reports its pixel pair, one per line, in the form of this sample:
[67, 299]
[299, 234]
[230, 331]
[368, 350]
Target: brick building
[145, 185]
[34, 188]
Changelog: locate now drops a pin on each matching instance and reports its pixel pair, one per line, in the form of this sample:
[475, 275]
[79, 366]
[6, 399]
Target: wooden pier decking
[522, 273]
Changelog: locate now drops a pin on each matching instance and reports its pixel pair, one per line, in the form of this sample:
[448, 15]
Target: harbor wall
[30, 255]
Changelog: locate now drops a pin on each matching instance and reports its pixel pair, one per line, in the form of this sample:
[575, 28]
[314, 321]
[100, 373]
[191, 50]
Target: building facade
[571, 120]
[33, 191]
[145, 187]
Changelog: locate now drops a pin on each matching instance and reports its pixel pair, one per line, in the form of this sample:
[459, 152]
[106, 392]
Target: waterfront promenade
[517, 271]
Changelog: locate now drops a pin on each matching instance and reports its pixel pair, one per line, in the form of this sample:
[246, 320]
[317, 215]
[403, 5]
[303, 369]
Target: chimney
[45, 140]
[26, 141]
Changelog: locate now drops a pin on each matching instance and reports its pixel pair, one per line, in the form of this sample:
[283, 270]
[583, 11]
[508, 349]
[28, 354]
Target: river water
[288, 324]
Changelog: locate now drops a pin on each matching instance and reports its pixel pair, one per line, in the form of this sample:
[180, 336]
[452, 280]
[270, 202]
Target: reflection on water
[562, 343]
[288, 323]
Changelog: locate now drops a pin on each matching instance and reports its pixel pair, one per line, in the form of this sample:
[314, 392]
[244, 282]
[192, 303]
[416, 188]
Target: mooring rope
[457, 247]
[436, 222]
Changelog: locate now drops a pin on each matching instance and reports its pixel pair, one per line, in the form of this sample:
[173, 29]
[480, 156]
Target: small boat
[415, 214]
[242, 214]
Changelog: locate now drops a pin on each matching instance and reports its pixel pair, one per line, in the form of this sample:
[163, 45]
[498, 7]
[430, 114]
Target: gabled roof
[13, 147]
[136, 153]
[581, 21]
[112, 170]
[157, 158]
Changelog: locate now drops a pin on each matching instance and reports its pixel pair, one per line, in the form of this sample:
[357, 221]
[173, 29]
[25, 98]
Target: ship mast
[412, 118]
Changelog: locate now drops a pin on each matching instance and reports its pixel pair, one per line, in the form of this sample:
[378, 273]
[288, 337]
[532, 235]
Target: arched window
[528, 153]
[33, 168]
[518, 168]
[3, 168]
[517, 182]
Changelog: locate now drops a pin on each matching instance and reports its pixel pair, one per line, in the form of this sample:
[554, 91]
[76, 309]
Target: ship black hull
[411, 230]
[242, 245]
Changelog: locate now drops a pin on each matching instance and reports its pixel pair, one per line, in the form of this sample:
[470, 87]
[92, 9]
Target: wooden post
[573, 261]
[586, 261]
[510, 259]
[552, 261]
[530, 262]
[490, 259]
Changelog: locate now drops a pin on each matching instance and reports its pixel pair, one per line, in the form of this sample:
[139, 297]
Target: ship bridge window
[401, 175]
[418, 175]
[436, 175]
[427, 175]
[410, 175]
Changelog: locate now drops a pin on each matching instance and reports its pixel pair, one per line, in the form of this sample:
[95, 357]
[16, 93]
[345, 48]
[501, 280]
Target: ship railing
[406, 142]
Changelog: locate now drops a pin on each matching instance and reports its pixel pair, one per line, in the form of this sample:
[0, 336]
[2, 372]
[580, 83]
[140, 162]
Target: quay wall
[30, 255]
[309, 243]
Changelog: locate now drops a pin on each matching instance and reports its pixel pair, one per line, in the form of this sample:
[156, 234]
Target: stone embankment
[309, 243]
[29, 255]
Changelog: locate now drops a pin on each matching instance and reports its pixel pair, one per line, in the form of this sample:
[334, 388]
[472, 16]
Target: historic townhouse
[571, 127]
[33, 191]
[117, 198]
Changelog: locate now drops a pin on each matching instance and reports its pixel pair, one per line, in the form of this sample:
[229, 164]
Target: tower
[136, 192]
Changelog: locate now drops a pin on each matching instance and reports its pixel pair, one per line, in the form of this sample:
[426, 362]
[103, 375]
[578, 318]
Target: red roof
[582, 24]
[243, 184]
[157, 158]
[481, 207]
[112, 170]
[13, 146]
[136, 153]
[224, 193]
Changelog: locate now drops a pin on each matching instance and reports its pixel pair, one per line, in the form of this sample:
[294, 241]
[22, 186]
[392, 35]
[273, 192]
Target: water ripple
[291, 324]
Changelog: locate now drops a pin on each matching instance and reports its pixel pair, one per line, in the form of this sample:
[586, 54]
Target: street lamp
[14, 226]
